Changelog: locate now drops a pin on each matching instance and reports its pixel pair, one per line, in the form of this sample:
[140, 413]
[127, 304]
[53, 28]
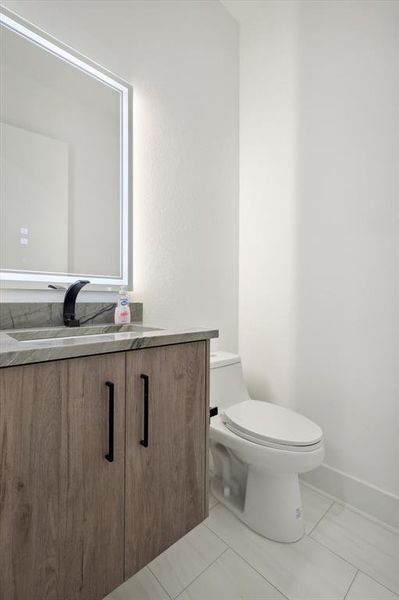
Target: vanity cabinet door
[61, 500]
[166, 455]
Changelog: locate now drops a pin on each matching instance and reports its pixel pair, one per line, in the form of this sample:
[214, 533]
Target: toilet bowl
[258, 450]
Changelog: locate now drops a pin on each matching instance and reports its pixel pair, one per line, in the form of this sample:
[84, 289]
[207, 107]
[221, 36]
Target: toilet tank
[227, 385]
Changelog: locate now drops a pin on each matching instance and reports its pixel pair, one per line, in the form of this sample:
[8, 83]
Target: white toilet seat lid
[267, 422]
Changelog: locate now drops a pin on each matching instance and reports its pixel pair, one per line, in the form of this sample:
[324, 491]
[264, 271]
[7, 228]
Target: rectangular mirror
[65, 163]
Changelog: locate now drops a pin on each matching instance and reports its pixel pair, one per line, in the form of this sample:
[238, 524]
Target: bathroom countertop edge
[12, 354]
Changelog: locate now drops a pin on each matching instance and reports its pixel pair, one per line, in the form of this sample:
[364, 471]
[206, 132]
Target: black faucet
[70, 319]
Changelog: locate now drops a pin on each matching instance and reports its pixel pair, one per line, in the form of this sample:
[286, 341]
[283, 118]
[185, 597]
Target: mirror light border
[69, 55]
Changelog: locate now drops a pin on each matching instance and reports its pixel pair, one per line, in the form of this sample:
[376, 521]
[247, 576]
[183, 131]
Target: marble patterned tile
[18, 315]
[369, 546]
[142, 586]
[365, 588]
[315, 506]
[230, 578]
[301, 571]
[180, 564]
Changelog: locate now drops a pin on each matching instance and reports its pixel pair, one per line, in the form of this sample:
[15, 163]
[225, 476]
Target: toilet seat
[272, 425]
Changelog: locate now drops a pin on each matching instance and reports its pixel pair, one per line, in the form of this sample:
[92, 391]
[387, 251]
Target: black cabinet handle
[145, 378]
[110, 455]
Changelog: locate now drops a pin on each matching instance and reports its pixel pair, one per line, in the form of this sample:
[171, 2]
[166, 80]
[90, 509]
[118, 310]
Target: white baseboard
[363, 496]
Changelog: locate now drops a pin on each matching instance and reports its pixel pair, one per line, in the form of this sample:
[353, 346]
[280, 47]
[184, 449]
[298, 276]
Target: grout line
[196, 577]
[202, 572]
[244, 559]
[218, 536]
[333, 552]
[351, 507]
[213, 505]
[256, 570]
[353, 565]
[321, 518]
[320, 544]
[351, 583]
[394, 592]
[160, 583]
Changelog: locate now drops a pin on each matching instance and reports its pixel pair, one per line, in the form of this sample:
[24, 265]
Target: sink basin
[62, 333]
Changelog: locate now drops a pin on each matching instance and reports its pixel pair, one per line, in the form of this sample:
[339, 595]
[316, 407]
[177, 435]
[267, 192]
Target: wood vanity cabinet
[61, 501]
[75, 521]
[166, 472]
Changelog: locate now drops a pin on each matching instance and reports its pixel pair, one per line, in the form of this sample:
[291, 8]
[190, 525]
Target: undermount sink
[59, 333]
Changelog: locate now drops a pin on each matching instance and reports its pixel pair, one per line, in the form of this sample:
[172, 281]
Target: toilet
[258, 450]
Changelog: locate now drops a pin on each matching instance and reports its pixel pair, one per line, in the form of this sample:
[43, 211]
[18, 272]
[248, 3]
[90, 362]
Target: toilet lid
[269, 422]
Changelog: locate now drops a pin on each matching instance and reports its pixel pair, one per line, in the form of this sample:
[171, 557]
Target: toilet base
[272, 505]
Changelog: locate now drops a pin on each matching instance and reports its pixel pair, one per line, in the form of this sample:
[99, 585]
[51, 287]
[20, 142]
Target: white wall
[319, 222]
[319, 270]
[182, 59]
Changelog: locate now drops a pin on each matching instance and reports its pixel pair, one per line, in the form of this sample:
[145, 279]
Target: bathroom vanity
[103, 456]
[103, 429]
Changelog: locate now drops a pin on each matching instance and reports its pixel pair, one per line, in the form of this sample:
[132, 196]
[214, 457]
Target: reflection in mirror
[64, 145]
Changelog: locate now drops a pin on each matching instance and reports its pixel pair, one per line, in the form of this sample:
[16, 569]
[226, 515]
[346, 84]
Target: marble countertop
[26, 346]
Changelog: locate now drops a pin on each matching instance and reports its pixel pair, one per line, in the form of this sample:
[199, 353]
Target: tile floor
[343, 556]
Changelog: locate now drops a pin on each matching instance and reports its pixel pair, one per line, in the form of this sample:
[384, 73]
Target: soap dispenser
[122, 310]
